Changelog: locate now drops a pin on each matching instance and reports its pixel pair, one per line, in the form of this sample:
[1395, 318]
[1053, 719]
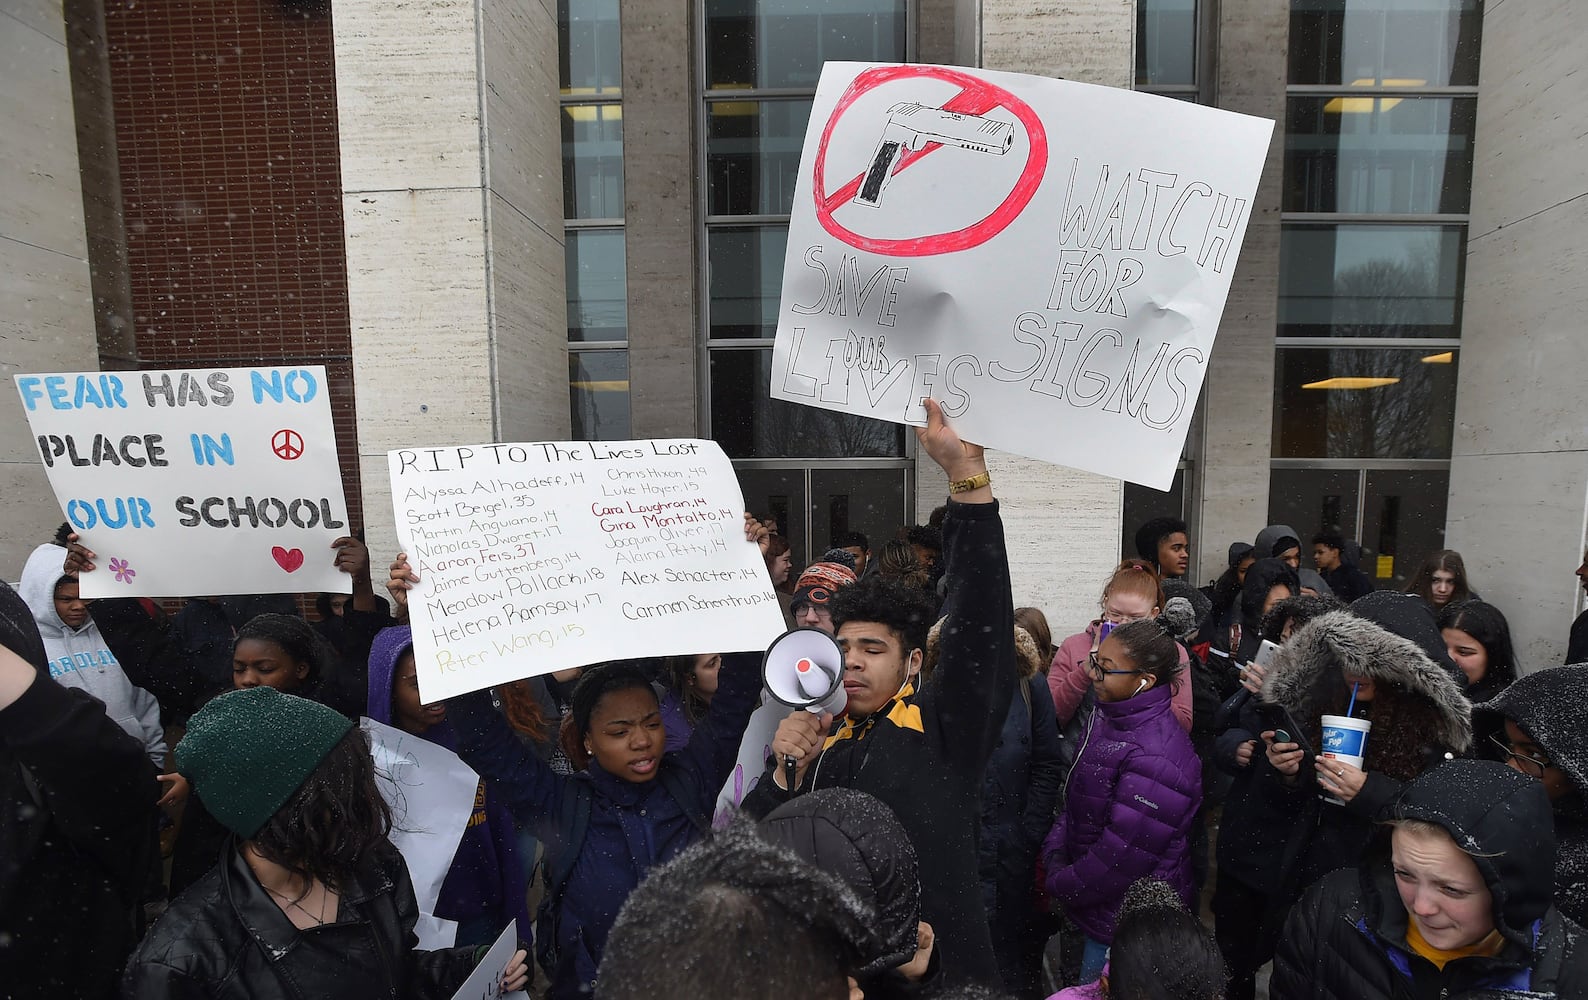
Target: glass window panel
[1314, 500]
[746, 280]
[1363, 403]
[589, 48]
[597, 285]
[592, 161]
[753, 154]
[598, 395]
[1166, 41]
[1385, 42]
[780, 495]
[1403, 521]
[870, 501]
[1370, 281]
[748, 423]
[783, 43]
[1379, 155]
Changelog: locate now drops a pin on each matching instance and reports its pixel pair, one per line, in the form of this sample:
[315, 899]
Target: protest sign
[434, 932]
[1047, 259]
[485, 982]
[754, 749]
[538, 556]
[432, 794]
[196, 482]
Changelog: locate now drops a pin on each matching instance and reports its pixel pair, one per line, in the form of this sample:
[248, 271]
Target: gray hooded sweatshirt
[80, 658]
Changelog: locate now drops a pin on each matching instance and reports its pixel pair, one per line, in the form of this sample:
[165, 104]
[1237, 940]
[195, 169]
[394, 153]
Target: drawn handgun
[911, 126]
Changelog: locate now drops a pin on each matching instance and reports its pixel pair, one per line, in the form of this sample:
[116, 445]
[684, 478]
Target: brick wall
[226, 132]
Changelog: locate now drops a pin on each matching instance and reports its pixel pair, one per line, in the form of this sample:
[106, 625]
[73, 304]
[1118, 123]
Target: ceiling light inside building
[1446, 358]
[1368, 105]
[1351, 382]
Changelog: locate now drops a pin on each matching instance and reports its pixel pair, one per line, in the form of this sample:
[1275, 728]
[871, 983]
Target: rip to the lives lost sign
[1048, 259]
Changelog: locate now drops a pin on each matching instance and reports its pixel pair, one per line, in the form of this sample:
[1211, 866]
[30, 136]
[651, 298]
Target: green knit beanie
[248, 751]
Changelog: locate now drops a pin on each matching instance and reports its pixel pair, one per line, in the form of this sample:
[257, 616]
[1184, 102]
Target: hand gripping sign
[1048, 259]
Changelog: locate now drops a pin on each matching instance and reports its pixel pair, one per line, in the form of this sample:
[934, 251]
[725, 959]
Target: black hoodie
[1263, 576]
[1551, 706]
[1347, 937]
[1409, 617]
[854, 836]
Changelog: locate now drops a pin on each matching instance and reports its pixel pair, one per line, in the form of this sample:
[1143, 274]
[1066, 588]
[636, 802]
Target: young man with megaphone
[922, 751]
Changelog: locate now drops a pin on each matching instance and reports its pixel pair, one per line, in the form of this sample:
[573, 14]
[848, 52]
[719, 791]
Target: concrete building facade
[565, 218]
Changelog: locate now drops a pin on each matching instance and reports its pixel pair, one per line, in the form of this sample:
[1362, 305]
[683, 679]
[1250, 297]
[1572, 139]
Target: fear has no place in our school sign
[194, 482]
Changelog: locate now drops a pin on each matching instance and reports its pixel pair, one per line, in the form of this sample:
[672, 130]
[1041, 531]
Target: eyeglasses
[1533, 766]
[1121, 619]
[1095, 668]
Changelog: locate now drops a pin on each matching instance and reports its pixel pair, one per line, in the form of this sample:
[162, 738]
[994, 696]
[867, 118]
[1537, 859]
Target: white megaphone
[804, 668]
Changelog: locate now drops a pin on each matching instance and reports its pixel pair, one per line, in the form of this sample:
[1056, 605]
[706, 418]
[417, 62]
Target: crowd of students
[999, 811]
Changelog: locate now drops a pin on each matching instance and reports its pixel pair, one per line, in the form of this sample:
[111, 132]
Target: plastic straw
[1352, 707]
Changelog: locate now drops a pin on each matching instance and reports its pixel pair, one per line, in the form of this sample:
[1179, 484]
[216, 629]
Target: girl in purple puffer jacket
[1133, 793]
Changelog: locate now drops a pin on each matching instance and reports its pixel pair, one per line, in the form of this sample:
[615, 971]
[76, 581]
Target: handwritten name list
[538, 556]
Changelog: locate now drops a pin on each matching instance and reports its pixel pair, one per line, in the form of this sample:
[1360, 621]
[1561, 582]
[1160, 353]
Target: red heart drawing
[287, 559]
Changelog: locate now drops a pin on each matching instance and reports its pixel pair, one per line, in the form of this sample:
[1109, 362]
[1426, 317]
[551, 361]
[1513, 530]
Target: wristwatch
[975, 482]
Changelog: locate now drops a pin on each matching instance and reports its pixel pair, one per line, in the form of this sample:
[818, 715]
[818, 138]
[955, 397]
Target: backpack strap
[558, 866]
[577, 796]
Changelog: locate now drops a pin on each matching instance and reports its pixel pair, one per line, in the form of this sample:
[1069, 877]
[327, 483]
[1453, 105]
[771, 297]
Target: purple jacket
[486, 877]
[1129, 805]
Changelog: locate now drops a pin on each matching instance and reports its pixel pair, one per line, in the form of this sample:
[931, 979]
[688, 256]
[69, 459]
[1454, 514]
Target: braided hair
[295, 637]
[594, 684]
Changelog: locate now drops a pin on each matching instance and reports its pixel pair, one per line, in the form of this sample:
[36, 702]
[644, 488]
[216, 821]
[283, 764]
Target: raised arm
[529, 788]
[99, 785]
[975, 677]
[713, 748]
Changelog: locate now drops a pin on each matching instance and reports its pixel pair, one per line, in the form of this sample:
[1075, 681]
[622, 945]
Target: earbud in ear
[1141, 686]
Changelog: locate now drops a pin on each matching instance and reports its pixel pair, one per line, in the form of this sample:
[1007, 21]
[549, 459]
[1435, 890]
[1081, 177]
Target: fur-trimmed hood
[1307, 676]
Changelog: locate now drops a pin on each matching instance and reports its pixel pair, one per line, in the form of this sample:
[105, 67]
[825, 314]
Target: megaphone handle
[790, 773]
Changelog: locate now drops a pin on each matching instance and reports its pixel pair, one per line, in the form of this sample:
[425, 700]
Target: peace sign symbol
[287, 444]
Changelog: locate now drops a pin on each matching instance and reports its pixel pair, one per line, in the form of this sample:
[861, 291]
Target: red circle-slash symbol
[976, 97]
[287, 444]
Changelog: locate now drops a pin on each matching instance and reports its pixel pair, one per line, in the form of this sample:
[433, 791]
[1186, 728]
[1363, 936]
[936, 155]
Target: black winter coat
[1254, 831]
[77, 822]
[1019, 799]
[1346, 938]
[225, 938]
[925, 755]
[1341, 943]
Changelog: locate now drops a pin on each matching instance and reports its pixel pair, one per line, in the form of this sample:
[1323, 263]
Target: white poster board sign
[431, 794]
[195, 482]
[754, 749]
[1047, 259]
[537, 556]
[485, 982]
